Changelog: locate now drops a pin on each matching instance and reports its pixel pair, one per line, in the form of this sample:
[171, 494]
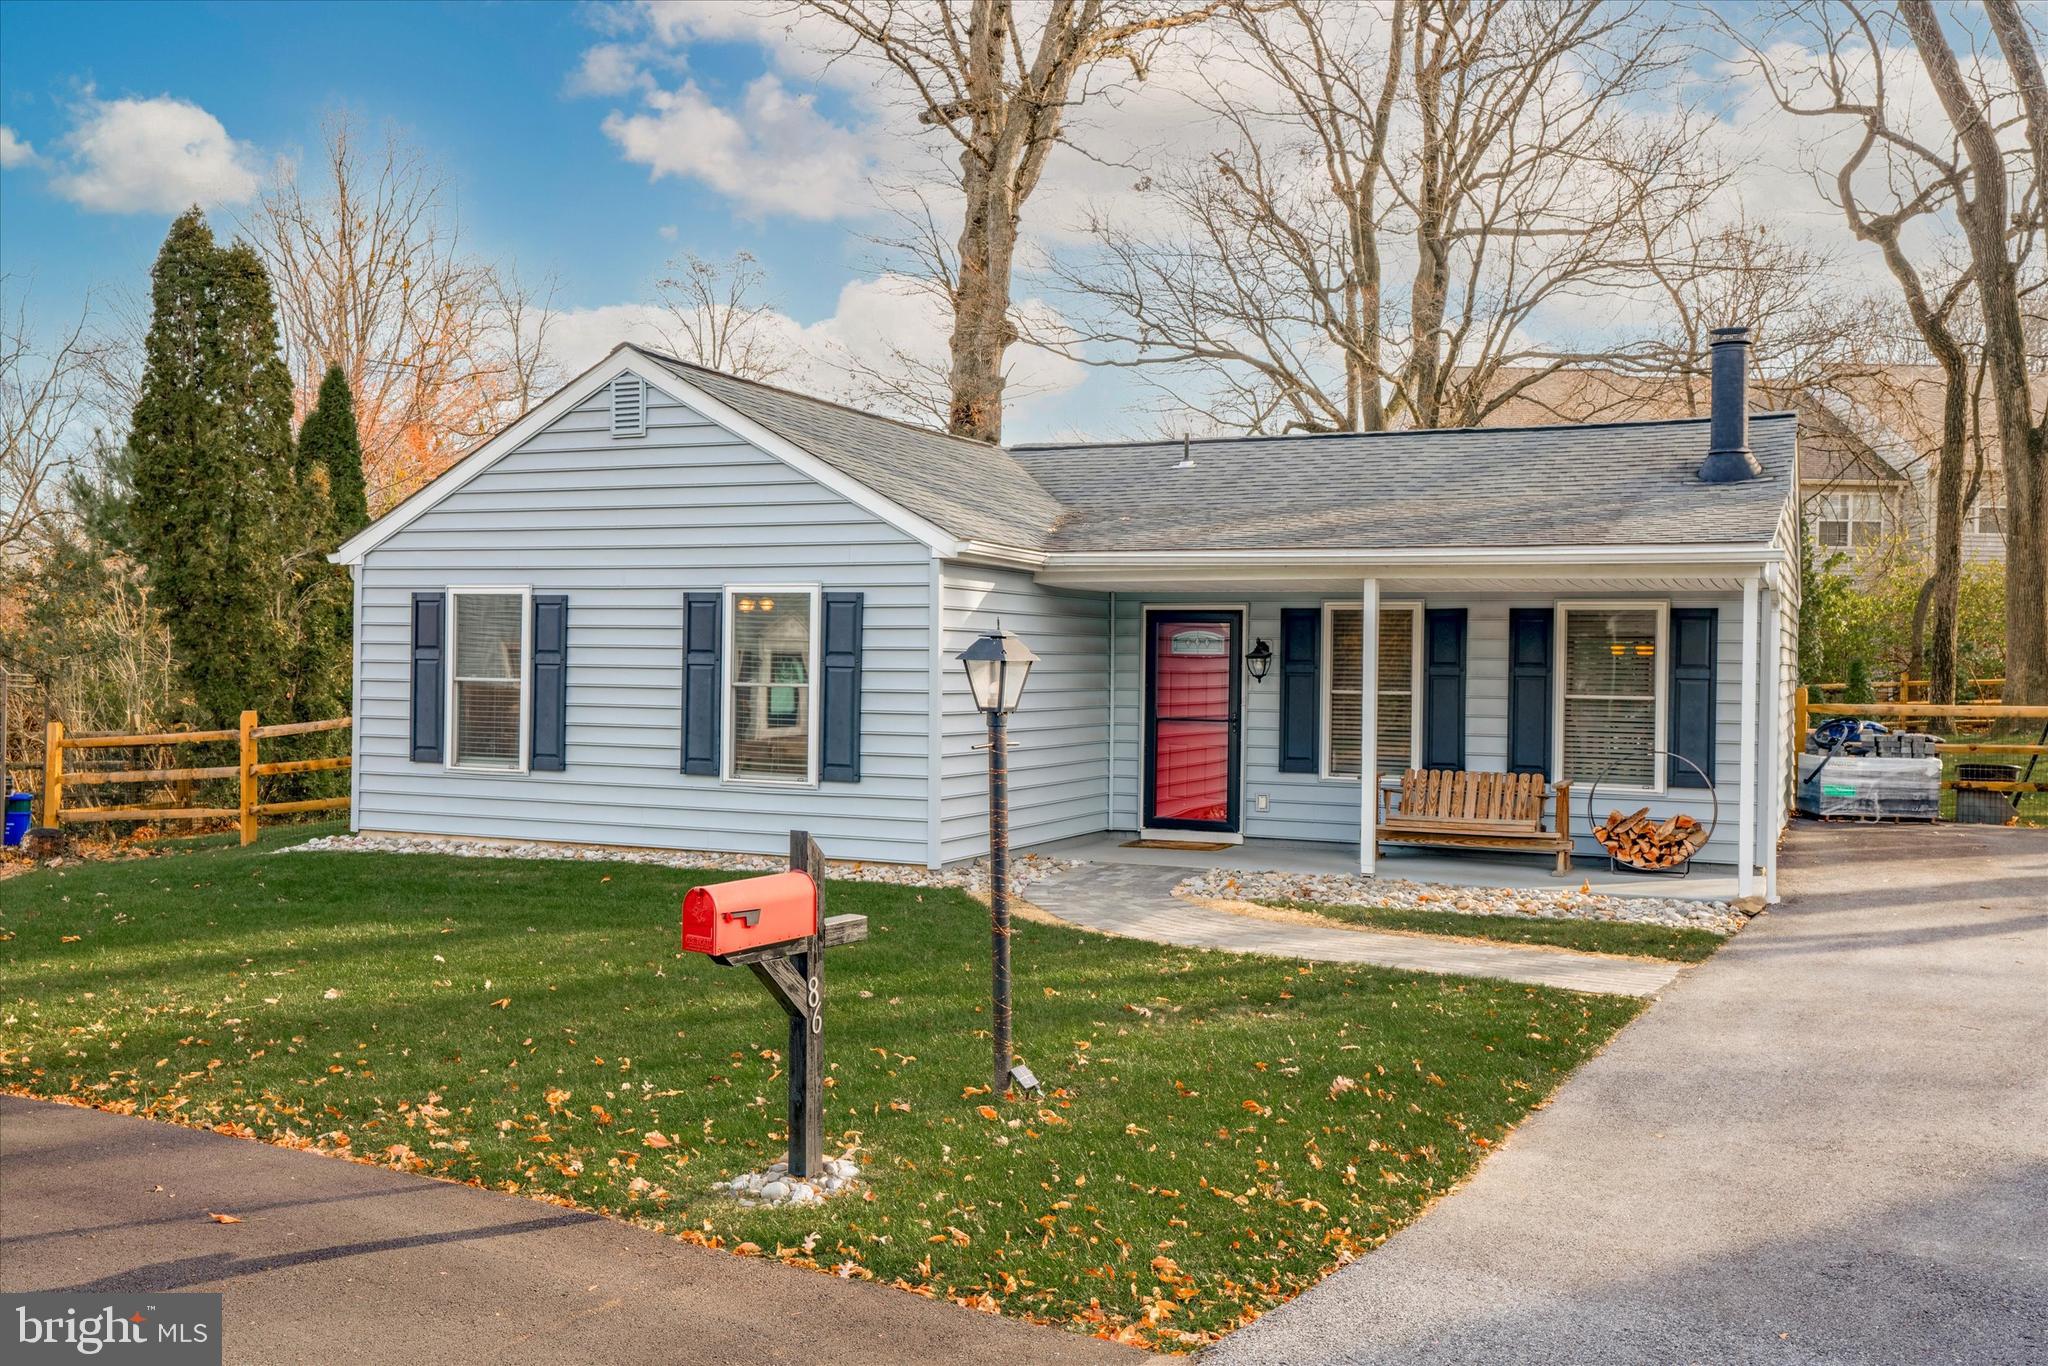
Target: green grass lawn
[1217, 1134]
[1680, 945]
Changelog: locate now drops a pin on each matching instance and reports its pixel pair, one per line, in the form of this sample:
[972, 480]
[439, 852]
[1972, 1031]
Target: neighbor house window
[1987, 515]
[772, 658]
[1397, 739]
[1843, 520]
[487, 687]
[1611, 693]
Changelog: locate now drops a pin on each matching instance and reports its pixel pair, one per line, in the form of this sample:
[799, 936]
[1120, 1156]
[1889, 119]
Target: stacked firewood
[1638, 840]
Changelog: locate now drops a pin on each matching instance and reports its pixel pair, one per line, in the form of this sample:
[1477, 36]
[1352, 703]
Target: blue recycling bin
[19, 817]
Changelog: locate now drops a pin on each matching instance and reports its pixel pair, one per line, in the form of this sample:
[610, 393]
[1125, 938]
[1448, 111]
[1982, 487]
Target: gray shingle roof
[972, 489]
[1628, 483]
[1631, 483]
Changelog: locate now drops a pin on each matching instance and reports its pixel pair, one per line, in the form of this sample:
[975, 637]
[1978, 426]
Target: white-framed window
[1987, 513]
[1611, 693]
[490, 641]
[1847, 519]
[1399, 740]
[771, 670]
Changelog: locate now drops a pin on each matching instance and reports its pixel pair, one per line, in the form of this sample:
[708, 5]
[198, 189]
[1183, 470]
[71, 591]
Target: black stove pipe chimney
[1728, 458]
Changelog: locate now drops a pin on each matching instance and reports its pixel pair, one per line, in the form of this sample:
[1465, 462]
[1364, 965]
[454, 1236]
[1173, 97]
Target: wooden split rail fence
[247, 770]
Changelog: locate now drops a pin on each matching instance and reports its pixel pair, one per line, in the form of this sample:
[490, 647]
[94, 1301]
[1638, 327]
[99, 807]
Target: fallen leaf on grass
[331, 994]
[988, 1112]
[502, 1002]
[654, 1139]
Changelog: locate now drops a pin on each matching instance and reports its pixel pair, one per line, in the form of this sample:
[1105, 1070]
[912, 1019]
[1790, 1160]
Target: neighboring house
[676, 609]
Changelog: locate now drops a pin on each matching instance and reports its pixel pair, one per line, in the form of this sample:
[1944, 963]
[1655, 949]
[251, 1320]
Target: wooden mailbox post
[776, 926]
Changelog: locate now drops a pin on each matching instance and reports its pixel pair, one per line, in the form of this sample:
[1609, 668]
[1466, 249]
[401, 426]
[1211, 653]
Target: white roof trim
[625, 359]
[1629, 555]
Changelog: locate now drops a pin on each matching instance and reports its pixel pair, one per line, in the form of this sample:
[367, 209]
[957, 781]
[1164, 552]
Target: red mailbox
[754, 913]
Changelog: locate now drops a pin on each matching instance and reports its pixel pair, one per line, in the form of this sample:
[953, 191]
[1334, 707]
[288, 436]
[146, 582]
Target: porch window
[1843, 520]
[1396, 741]
[1611, 698]
[487, 687]
[772, 659]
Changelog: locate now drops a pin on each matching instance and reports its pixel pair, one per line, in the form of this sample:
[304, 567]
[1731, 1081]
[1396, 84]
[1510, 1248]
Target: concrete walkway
[1136, 900]
[333, 1261]
[1827, 1144]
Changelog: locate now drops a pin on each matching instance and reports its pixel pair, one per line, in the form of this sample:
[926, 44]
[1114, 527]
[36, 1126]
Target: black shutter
[839, 708]
[1529, 649]
[550, 751]
[700, 683]
[1693, 638]
[429, 683]
[1443, 688]
[1301, 631]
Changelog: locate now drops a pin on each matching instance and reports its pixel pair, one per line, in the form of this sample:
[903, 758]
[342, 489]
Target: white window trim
[524, 592]
[1660, 679]
[1326, 652]
[730, 718]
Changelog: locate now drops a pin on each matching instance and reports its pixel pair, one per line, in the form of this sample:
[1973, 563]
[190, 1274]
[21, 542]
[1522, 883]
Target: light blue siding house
[674, 609]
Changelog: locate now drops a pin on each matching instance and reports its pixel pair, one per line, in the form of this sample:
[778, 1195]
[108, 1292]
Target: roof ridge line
[1400, 431]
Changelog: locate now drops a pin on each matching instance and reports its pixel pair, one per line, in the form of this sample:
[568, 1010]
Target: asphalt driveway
[335, 1261]
[1829, 1143]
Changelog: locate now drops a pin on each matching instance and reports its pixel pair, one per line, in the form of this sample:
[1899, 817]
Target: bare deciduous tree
[46, 398]
[1825, 60]
[370, 272]
[1408, 187]
[1001, 79]
[1998, 203]
[717, 318]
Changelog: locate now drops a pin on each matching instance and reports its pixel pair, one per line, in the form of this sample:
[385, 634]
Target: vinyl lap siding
[1059, 779]
[625, 528]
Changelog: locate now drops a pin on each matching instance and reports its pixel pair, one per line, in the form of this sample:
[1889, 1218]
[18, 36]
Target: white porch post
[1745, 819]
[1368, 726]
[1775, 743]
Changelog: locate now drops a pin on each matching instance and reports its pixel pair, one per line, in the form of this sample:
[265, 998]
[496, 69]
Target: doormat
[1201, 846]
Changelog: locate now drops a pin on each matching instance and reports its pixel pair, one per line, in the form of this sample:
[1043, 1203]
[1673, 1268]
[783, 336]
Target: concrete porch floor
[1707, 882]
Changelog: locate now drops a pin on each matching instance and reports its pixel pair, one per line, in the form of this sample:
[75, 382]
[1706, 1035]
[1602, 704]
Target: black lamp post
[997, 665]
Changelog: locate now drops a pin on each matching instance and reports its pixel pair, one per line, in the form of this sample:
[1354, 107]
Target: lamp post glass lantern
[997, 665]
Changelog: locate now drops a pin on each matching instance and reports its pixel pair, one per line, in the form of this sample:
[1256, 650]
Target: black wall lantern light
[997, 665]
[1259, 660]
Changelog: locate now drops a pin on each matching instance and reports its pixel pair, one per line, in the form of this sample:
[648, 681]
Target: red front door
[1191, 719]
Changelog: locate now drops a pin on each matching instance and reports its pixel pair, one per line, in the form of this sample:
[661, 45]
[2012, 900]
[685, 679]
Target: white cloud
[775, 154]
[15, 151]
[886, 325]
[609, 69]
[161, 154]
[667, 231]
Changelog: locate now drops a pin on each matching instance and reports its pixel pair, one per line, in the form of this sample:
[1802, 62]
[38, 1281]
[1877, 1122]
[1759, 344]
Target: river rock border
[1351, 889]
[972, 876]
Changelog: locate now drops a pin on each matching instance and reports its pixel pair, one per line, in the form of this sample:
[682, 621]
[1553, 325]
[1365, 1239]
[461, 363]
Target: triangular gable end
[624, 359]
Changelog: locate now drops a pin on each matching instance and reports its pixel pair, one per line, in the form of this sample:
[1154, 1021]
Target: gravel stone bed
[1351, 889]
[1025, 869]
[775, 1186]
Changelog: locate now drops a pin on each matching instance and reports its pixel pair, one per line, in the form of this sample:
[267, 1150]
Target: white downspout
[1369, 727]
[1109, 814]
[1776, 745]
[1745, 820]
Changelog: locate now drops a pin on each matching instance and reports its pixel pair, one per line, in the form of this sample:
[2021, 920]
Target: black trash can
[1985, 808]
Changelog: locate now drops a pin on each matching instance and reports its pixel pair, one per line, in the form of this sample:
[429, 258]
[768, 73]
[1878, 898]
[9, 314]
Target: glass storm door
[1191, 720]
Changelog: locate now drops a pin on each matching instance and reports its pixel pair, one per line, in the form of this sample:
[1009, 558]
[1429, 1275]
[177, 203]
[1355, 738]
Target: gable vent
[629, 406]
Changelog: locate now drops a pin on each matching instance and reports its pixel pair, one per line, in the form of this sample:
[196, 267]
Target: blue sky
[589, 143]
[482, 87]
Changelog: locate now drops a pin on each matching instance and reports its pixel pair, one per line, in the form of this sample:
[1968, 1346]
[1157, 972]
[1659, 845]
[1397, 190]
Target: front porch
[1707, 882]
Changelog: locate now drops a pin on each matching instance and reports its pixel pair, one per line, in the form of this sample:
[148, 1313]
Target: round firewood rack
[1684, 865]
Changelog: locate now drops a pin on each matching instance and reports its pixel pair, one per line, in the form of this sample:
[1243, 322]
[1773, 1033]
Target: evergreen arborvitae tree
[330, 442]
[330, 467]
[215, 513]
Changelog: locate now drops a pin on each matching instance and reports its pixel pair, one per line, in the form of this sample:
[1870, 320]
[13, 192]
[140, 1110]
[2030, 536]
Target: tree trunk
[1983, 216]
[982, 332]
